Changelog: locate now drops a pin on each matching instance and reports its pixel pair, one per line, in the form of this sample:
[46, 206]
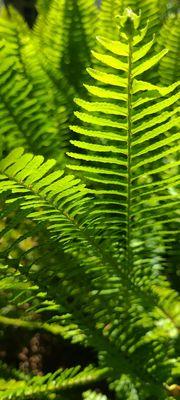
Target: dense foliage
[89, 245]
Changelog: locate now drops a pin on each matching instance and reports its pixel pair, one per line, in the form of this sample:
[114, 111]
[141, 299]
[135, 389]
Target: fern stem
[129, 118]
[55, 329]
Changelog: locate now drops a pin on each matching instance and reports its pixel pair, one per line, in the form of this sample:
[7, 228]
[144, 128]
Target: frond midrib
[129, 135]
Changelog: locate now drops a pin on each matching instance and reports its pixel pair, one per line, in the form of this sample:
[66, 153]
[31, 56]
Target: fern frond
[47, 384]
[44, 198]
[43, 6]
[22, 118]
[16, 286]
[16, 39]
[122, 145]
[107, 13]
[126, 390]
[123, 149]
[65, 42]
[29, 84]
[89, 395]
[55, 329]
[64, 218]
[19, 290]
[25, 254]
[169, 67]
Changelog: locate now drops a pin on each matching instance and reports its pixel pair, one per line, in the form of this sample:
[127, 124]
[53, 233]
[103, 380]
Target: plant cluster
[89, 199]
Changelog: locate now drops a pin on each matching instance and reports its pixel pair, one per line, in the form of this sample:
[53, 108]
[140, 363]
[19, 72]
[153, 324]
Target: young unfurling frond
[153, 11]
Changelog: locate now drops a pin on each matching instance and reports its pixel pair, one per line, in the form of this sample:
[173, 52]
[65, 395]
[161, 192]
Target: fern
[152, 10]
[89, 395]
[141, 141]
[18, 119]
[58, 40]
[43, 6]
[86, 252]
[38, 386]
[20, 69]
[48, 77]
[170, 38]
[87, 243]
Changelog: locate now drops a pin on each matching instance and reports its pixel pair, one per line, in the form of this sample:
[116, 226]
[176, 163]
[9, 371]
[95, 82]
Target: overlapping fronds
[31, 109]
[169, 67]
[59, 204]
[68, 195]
[25, 251]
[16, 39]
[22, 118]
[18, 290]
[39, 386]
[87, 258]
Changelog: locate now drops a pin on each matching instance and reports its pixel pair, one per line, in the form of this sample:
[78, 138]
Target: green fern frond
[89, 395]
[169, 67]
[30, 264]
[124, 148]
[15, 285]
[69, 201]
[47, 30]
[16, 39]
[43, 6]
[125, 389]
[25, 265]
[65, 42]
[61, 380]
[65, 217]
[43, 198]
[44, 118]
[107, 13]
[22, 117]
